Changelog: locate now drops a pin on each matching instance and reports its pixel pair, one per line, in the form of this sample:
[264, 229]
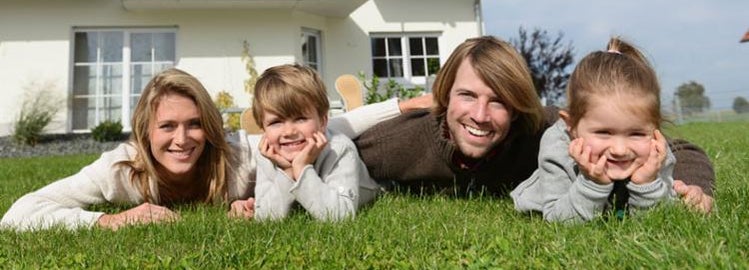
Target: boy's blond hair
[289, 91]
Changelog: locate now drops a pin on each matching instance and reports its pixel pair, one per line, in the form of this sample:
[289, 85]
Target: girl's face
[288, 136]
[612, 129]
[176, 136]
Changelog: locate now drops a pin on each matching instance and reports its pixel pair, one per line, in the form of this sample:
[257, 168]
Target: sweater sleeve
[692, 165]
[353, 123]
[644, 196]
[63, 203]
[273, 200]
[555, 188]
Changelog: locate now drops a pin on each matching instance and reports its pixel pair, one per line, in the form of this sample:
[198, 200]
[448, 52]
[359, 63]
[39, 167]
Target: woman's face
[476, 118]
[177, 137]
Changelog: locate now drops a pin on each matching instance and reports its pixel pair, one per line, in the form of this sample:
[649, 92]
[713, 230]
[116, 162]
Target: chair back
[350, 90]
[247, 122]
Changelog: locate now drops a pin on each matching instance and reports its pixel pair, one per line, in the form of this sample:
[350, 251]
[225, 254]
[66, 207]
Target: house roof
[339, 8]
[745, 38]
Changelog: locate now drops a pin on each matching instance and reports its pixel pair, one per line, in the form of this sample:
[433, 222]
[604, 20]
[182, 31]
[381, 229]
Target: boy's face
[611, 130]
[288, 136]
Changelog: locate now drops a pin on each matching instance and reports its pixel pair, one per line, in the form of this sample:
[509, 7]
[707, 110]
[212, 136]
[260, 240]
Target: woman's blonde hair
[212, 166]
[501, 68]
[621, 70]
[288, 91]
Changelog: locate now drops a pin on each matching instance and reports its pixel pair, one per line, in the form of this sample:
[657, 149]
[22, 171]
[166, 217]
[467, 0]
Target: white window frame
[317, 34]
[126, 65]
[407, 79]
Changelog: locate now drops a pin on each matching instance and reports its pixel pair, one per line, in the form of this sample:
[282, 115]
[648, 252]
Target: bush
[392, 89]
[37, 110]
[107, 131]
[224, 101]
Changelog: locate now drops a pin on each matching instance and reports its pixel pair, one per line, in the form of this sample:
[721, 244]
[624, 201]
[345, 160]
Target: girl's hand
[269, 152]
[244, 209]
[309, 154]
[647, 171]
[141, 214]
[594, 168]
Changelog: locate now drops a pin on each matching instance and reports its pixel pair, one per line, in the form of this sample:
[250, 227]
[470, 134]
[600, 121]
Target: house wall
[35, 41]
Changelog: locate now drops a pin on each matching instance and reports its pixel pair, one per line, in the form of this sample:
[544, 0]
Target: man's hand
[693, 197]
[141, 214]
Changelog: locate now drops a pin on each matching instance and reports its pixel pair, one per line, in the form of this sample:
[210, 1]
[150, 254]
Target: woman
[177, 154]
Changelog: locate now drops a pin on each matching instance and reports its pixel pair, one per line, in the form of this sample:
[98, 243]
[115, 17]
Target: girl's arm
[555, 188]
[63, 202]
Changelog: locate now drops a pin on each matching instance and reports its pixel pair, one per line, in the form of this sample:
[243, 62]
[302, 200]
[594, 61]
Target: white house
[98, 54]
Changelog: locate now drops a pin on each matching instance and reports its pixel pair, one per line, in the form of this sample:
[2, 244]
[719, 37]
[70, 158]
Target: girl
[606, 150]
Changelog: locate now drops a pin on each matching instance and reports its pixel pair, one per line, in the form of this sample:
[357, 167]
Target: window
[311, 48]
[110, 69]
[410, 58]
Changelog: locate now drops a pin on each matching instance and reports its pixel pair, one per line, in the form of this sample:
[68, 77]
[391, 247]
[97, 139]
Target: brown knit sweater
[413, 151]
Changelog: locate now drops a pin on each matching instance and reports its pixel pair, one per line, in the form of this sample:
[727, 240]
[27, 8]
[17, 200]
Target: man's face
[476, 118]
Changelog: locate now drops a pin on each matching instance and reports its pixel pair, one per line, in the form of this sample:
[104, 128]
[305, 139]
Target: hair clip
[614, 51]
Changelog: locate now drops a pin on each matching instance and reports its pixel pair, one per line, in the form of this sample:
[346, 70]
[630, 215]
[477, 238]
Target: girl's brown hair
[620, 71]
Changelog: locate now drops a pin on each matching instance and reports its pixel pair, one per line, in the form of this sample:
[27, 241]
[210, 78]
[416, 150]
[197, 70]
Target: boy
[300, 159]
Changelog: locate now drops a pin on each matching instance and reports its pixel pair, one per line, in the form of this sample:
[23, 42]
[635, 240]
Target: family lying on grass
[486, 132]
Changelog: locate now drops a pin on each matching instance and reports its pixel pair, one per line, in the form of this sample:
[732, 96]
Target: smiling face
[614, 130]
[288, 135]
[176, 137]
[476, 118]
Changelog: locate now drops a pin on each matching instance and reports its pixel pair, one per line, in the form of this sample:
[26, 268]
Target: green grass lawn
[401, 231]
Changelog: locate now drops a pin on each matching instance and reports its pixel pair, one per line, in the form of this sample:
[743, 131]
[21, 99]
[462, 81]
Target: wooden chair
[247, 122]
[350, 90]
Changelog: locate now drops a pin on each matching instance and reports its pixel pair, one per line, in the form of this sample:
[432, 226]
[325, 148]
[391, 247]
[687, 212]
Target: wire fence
[707, 116]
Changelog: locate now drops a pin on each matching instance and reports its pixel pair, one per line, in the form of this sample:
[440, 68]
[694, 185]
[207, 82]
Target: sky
[686, 40]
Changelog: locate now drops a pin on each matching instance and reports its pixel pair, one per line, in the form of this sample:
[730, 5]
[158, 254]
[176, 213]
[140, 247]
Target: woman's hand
[244, 209]
[309, 154]
[594, 168]
[648, 170]
[141, 214]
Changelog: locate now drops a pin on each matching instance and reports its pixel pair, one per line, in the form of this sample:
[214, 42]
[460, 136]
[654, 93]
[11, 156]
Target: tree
[548, 59]
[691, 98]
[740, 105]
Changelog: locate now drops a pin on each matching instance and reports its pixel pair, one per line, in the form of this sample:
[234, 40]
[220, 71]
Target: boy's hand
[593, 171]
[269, 152]
[244, 209]
[648, 171]
[309, 154]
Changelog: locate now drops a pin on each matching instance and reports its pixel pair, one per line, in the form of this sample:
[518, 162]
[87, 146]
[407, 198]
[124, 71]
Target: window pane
[85, 47]
[111, 108]
[84, 80]
[379, 68]
[140, 75]
[163, 44]
[378, 47]
[432, 47]
[140, 47]
[394, 47]
[312, 43]
[396, 67]
[83, 112]
[417, 66]
[111, 80]
[433, 65]
[415, 46]
[111, 46]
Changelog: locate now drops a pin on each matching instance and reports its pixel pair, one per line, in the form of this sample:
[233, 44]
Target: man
[483, 133]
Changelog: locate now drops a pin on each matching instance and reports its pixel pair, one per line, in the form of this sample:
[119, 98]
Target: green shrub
[37, 110]
[391, 89]
[107, 131]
